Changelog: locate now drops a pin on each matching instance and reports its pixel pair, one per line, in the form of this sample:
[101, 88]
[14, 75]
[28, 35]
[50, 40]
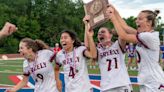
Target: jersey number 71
[110, 61]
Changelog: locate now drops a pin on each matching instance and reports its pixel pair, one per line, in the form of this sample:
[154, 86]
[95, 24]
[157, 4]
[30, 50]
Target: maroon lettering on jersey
[64, 62]
[70, 60]
[109, 52]
[161, 87]
[38, 66]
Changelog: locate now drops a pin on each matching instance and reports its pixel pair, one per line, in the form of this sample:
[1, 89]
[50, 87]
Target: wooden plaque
[96, 9]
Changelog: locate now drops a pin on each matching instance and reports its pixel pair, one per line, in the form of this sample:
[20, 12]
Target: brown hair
[151, 16]
[73, 36]
[109, 30]
[36, 45]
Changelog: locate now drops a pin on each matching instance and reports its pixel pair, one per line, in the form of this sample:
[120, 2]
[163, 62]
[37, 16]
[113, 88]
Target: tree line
[44, 19]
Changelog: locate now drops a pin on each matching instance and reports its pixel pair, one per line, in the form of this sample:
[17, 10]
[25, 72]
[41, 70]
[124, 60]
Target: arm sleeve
[49, 54]
[148, 40]
[82, 50]
[26, 68]
[57, 60]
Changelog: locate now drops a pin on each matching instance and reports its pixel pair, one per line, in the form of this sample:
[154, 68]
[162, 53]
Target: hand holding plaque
[96, 9]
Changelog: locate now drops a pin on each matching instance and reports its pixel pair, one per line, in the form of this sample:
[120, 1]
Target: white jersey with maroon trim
[112, 67]
[148, 53]
[75, 70]
[42, 71]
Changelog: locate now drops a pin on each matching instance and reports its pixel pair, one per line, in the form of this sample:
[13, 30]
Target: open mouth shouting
[101, 38]
[64, 45]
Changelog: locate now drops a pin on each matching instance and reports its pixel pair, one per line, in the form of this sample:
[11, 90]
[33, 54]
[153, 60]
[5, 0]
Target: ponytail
[35, 45]
[156, 12]
[41, 45]
[151, 16]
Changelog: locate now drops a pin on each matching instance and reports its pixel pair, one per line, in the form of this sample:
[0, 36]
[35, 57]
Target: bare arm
[124, 25]
[7, 30]
[20, 85]
[127, 28]
[121, 32]
[85, 37]
[85, 21]
[58, 81]
[91, 51]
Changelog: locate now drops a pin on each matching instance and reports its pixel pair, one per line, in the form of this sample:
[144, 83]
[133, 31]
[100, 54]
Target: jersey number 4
[110, 61]
[71, 72]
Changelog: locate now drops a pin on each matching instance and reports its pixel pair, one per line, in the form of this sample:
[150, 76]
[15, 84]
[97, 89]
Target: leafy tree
[45, 19]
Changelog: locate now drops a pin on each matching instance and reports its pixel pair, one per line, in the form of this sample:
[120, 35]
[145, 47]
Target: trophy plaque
[96, 9]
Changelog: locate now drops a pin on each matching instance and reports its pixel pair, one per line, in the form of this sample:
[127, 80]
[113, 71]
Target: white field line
[13, 59]
[11, 72]
[5, 85]
[11, 66]
[5, 62]
[11, 63]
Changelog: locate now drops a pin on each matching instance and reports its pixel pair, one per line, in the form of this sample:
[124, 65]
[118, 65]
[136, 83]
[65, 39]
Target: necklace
[72, 62]
[108, 44]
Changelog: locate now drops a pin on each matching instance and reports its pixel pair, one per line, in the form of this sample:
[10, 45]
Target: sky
[129, 8]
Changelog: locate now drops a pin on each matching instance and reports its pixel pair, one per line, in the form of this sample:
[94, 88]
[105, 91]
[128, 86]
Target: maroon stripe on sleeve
[161, 86]
[52, 57]
[97, 54]
[84, 53]
[25, 74]
[139, 57]
[141, 41]
[58, 64]
[123, 51]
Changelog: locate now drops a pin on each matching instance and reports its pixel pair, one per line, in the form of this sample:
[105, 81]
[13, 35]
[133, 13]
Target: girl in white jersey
[38, 64]
[151, 76]
[114, 75]
[73, 57]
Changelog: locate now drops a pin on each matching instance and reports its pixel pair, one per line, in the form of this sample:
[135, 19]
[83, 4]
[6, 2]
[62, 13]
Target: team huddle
[110, 56]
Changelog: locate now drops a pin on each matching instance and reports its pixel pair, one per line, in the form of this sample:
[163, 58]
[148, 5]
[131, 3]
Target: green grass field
[14, 67]
[8, 68]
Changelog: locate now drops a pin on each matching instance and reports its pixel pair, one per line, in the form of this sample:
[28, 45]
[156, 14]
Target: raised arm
[7, 30]
[124, 25]
[85, 20]
[120, 31]
[89, 42]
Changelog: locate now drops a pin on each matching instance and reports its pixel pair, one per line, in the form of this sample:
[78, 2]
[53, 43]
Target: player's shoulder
[61, 52]
[149, 34]
[149, 37]
[25, 63]
[45, 51]
[115, 44]
[81, 47]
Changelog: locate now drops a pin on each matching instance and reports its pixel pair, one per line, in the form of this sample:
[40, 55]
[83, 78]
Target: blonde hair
[151, 16]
